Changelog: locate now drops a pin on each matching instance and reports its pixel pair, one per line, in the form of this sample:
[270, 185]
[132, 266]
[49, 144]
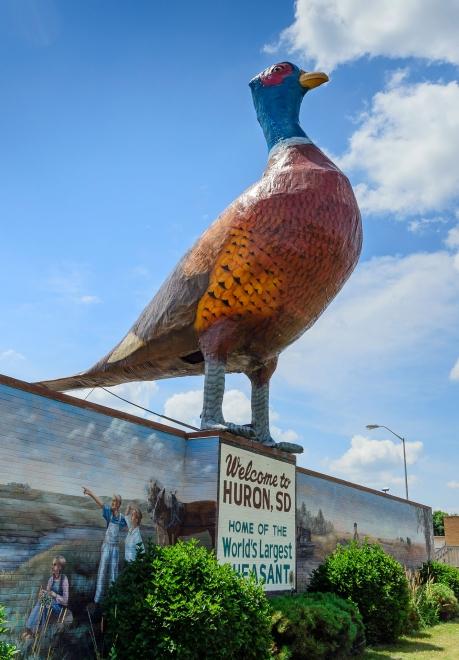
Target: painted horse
[174, 519]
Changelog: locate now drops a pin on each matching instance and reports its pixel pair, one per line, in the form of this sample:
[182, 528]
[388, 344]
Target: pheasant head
[277, 95]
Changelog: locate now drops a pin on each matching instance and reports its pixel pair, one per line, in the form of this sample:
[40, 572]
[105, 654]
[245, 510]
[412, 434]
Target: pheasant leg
[214, 388]
[212, 413]
[260, 414]
[260, 410]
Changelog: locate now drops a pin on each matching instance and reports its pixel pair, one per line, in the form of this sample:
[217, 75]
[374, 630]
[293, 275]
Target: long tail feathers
[80, 381]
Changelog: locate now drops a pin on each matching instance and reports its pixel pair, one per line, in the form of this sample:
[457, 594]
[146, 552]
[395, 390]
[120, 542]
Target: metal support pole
[381, 426]
[404, 463]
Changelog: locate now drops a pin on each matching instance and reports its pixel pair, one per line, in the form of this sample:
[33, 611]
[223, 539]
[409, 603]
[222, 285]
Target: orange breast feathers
[243, 282]
[284, 248]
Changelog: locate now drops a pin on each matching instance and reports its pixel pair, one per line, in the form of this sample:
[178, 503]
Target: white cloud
[11, 355]
[403, 153]
[378, 463]
[454, 373]
[284, 436]
[236, 407]
[421, 225]
[89, 300]
[393, 311]
[186, 407]
[453, 484]
[452, 240]
[330, 32]
[139, 393]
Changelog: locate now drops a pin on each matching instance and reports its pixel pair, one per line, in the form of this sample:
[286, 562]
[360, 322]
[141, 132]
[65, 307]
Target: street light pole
[381, 426]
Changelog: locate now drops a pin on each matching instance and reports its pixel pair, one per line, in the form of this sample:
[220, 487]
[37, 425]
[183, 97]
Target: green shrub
[178, 602]
[444, 599]
[316, 626]
[7, 650]
[423, 610]
[433, 602]
[430, 602]
[442, 573]
[427, 606]
[413, 622]
[374, 581]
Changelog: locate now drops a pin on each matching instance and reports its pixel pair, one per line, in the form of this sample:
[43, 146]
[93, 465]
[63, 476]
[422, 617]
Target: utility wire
[170, 419]
[89, 393]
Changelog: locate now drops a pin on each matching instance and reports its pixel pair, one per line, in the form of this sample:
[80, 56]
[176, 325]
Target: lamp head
[372, 426]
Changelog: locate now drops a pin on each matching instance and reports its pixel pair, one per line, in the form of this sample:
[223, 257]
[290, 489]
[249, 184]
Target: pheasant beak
[311, 80]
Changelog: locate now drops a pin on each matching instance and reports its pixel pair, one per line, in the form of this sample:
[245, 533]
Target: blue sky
[127, 128]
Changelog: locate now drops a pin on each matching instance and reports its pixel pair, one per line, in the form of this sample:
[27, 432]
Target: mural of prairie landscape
[50, 452]
[330, 512]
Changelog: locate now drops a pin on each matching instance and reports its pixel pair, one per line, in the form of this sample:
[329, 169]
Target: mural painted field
[330, 512]
[51, 524]
[81, 491]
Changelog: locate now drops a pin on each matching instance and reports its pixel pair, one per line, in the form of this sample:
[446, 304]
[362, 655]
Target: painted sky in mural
[344, 506]
[139, 453]
[120, 145]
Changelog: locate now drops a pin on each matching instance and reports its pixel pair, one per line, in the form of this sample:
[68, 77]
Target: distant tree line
[316, 523]
[438, 522]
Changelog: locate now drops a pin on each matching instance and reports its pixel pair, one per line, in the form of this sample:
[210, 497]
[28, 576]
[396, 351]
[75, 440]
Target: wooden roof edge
[40, 390]
[245, 443]
[343, 482]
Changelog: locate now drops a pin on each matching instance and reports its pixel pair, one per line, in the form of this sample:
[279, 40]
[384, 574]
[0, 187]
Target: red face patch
[276, 74]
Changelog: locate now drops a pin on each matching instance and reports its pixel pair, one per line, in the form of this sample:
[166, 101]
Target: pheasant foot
[212, 424]
[237, 429]
[245, 430]
[268, 441]
[290, 447]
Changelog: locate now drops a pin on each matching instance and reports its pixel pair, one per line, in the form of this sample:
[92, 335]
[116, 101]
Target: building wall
[51, 446]
[439, 542]
[331, 511]
[451, 530]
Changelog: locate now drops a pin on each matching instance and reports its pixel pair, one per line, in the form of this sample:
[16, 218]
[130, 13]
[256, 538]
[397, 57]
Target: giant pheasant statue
[257, 279]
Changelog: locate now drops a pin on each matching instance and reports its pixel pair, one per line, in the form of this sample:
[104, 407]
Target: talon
[290, 447]
[268, 442]
[211, 424]
[218, 427]
[266, 439]
[245, 430]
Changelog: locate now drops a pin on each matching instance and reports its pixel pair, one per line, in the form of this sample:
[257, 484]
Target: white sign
[256, 517]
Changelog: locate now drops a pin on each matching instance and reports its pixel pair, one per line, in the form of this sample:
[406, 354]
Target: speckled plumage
[284, 250]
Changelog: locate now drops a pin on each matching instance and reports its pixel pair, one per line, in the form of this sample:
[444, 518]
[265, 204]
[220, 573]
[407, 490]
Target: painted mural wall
[62, 461]
[59, 463]
[329, 512]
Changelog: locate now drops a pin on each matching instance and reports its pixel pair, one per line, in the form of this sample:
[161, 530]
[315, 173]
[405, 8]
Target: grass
[440, 642]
